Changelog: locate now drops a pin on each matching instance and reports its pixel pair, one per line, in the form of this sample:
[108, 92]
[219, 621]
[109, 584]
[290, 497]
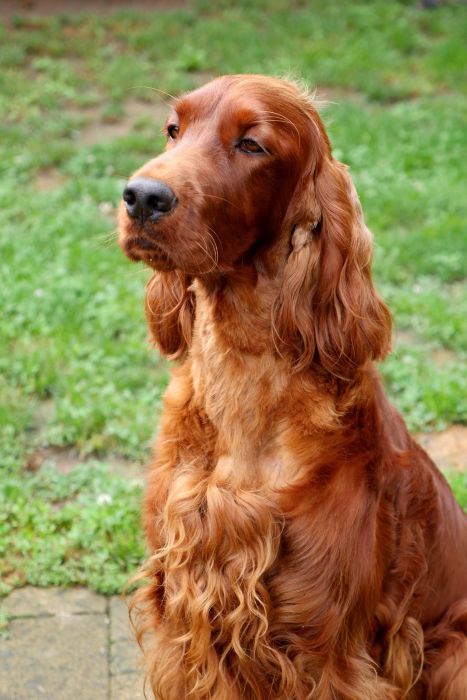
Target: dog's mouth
[138, 246]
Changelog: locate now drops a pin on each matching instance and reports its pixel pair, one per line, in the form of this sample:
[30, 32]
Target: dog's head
[248, 165]
[235, 150]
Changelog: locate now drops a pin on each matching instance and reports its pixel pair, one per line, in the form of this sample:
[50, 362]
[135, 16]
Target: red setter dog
[302, 545]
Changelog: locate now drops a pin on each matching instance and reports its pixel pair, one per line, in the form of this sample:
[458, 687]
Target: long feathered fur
[301, 545]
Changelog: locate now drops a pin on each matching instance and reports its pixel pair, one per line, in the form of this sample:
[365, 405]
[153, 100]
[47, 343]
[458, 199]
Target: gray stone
[125, 655]
[66, 644]
[53, 601]
[128, 686]
[57, 658]
[120, 627]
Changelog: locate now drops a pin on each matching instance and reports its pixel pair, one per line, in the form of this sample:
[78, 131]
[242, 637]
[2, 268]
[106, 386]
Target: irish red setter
[302, 545]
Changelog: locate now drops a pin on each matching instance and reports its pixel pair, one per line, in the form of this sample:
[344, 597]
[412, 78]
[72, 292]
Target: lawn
[80, 108]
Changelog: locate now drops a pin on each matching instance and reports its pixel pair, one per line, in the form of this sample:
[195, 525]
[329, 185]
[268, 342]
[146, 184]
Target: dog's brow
[195, 106]
[245, 116]
[180, 106]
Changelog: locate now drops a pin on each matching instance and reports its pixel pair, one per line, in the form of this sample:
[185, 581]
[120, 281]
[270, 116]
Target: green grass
[458, 481]
[67, 529]
[75, 368]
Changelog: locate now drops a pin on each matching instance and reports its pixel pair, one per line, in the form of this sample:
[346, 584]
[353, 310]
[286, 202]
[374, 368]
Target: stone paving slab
[125, 654]
[59, 658]
[65, 644]
[53, 601]
[128, 686]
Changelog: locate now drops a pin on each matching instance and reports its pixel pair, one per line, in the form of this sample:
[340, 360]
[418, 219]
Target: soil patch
[49, 179]
[440, 357]
[99, 128]
[65, 459]
[334, 94]
[447, 449]
[200, 77]
[50, 8]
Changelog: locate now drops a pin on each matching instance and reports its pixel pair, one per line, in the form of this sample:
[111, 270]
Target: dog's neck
[237, 312]
[238, 378]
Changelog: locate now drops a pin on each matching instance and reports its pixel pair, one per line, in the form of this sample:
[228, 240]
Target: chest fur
[240, 393]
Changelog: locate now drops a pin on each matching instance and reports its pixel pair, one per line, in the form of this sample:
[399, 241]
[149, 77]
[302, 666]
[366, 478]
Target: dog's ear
[328, 310]
[170, 308]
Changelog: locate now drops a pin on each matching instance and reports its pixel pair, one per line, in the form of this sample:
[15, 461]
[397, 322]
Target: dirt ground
[447, 449]
[48, 8]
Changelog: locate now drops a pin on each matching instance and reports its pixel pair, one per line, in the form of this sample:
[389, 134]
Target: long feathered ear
[328, 311]
[170, 308]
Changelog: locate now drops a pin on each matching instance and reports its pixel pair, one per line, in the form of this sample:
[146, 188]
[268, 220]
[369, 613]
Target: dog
[302, 545]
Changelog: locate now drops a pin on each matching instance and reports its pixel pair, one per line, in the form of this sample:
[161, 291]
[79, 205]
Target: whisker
[105, 240]
[206, 252]
[153, 89]
[224, 199]
[136, 270]
[212, 237]
[283, 119]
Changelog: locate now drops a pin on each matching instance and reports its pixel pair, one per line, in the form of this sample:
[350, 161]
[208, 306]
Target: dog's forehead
[242, 99]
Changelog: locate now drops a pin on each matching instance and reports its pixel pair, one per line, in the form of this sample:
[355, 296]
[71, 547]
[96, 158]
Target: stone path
[65, 644]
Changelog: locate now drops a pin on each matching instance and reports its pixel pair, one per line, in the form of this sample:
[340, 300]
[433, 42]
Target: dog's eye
[172, 131]
[250, 146]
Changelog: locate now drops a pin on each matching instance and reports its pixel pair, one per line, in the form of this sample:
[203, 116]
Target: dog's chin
[142, 243]
[141, 249]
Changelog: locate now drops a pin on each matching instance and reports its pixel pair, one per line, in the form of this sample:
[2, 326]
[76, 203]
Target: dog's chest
[241, 394]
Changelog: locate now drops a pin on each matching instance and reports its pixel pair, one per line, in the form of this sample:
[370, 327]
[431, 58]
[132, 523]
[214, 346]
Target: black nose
[148, 199]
